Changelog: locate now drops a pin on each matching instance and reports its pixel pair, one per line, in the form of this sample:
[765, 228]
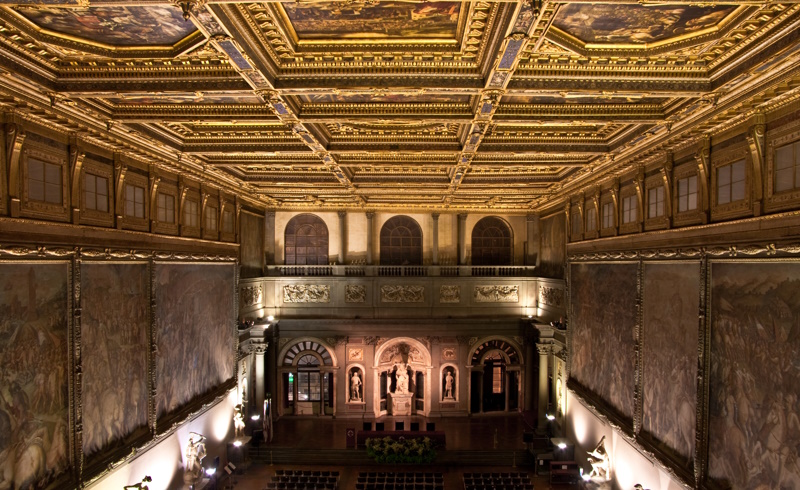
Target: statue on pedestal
[401, 385]
[195, 452]
[598, 458]
[355, 387]
[448, 384]
[238, 422]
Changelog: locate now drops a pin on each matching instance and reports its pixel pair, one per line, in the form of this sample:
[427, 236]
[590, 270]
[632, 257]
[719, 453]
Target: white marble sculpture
[402, 378]
[598, 458]
[448, 385]
[195, 452]
[238, 422]
[355, 387]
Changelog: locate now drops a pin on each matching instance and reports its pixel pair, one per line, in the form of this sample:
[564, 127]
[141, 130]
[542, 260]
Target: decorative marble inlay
[450, 294]
[355, 293]
[402, 294]
[448, 353]
[306, 293]
[496, 294]
[355, 354]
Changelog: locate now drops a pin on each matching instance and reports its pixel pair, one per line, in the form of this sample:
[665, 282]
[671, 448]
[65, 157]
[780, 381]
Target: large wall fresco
[754, 428]
[553, 251]
[251, 250]
[34, 374]
[603, 299]
[670, 325]
[338, 20]
[195, 337]
[115, 339]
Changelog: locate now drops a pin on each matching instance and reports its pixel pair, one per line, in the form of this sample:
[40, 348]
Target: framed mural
[35, 307]
[754, 378]
[115, 342]
[195, 332]
[671, 299]
[603, 324]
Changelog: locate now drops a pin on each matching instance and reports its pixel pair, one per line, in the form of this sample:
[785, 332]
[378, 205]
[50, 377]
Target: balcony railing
[400, 270]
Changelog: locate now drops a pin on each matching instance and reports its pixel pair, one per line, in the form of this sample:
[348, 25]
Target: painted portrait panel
[392, 20]
[753, 425]
[194, 331]
[153, 25]
[251, 250]
[553, 247]
[115, 305]
[636, 24]
[603, 322]
[34, 373]
[671, 304]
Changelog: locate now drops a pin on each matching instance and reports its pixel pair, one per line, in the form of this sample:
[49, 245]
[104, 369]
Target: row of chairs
[497, 481]
[400, 486]
[399, 477]
[304, 479]
[502, 474]
[300, 486]
[306, 473]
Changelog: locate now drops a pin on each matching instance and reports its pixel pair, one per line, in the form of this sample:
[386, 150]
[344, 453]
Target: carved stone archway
[402, 376]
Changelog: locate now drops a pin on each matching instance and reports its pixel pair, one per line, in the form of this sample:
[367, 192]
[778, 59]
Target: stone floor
[314, 440]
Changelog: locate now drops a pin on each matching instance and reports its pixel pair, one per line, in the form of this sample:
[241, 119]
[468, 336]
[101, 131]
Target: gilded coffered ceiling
[371, 104]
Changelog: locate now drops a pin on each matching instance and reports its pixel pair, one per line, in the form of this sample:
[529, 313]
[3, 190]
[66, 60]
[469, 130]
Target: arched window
[306, 241]
[492, 242]
[401, 242]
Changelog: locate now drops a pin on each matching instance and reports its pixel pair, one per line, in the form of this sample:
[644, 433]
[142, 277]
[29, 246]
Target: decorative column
[544, 353]
[532, 222]
[528, 395]
[259, 349]
[462, 239]
[370, 223]
[342, 236]
[435, 254]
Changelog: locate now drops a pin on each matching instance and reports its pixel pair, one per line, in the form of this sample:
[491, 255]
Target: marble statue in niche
[449, 384]
[195, 452]
[401, 373]
[356, 390]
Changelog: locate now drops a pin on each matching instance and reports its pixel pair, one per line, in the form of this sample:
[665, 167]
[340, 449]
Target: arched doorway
[307, 384]
[495, 376]
[402, 374]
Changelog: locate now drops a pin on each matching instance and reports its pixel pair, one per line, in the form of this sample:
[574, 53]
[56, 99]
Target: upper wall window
[44, 182]
[191, 213]
[731, 182]
[95, 192]
[134, 201]
[687, 194]
[166, 208]
[306, 241]
[576, 224]
[608, 215]
[212, 215]
[401, 242]
[629, 209]
[492, 242]
[787, 167]
[591, 219]
[655, 202]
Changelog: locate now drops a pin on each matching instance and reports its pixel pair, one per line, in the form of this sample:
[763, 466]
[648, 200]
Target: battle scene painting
[394, 20]
[753, 425]
[153, 25]
[115, 318]
[251, 251]
[377, 99]
[194, 331]
[34, 374]
[635, 24]
[197, 98]
[671, 304]
[553, 253]
[589, 99]
[603, 322]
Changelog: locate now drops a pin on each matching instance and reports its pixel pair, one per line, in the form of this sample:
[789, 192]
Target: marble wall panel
[251, 252]
[553, 252]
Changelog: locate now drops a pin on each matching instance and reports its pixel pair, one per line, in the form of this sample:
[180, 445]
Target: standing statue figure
[195, 452]
[355, 387]
[448, 385]
[598, 458]
[402, 379]
[238, 422]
